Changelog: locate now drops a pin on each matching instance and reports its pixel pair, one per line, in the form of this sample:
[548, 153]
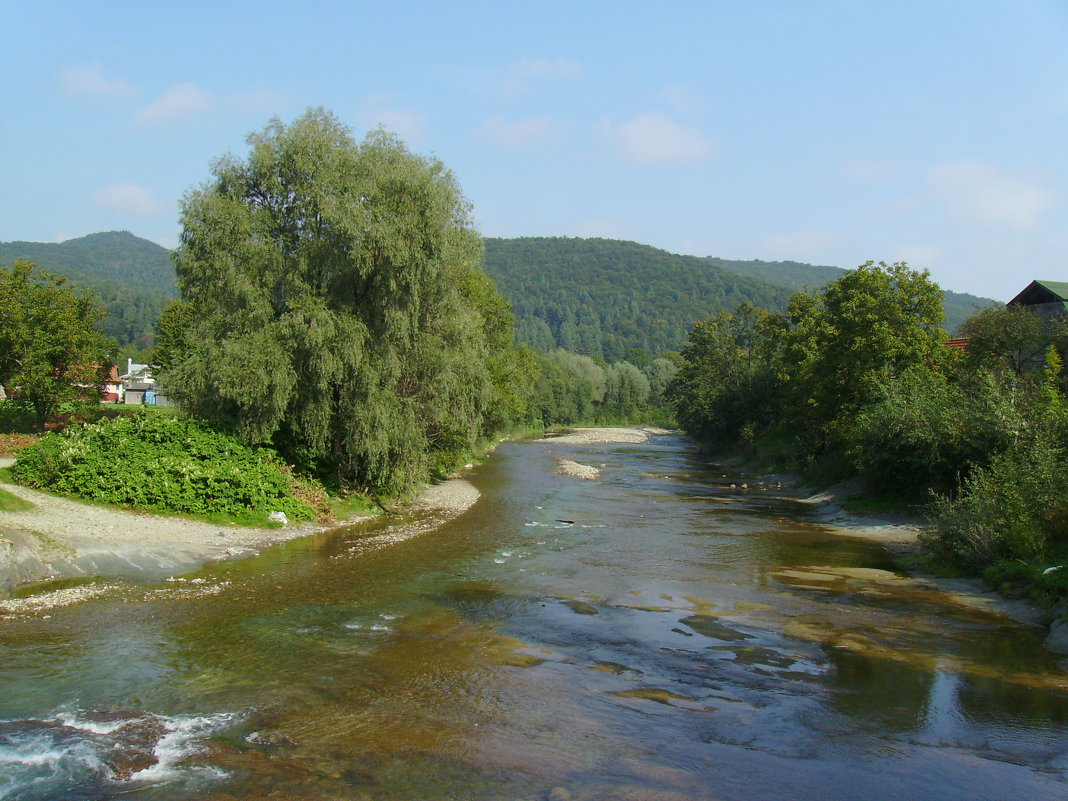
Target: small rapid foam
[77, 754]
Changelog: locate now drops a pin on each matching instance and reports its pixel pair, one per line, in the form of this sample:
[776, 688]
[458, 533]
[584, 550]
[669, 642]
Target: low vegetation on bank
[855, 379]
[171, 465]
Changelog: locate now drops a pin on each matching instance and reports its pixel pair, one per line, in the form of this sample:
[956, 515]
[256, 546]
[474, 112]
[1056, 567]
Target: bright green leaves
[50, 351]
[337, 307]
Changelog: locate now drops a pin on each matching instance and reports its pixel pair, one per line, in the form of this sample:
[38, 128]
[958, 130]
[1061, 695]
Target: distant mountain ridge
[594, 296]
[133, 277]
[605, 296]
[112, 256]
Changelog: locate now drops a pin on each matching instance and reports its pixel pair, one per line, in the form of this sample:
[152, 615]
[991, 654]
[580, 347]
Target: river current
[654, 635]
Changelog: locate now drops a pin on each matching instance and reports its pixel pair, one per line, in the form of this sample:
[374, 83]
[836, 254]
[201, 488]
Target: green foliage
[1012, 339]
[166, 464]
[854, 378]
[606, 298]
[336, 308]
[867, 327]
[133, 278]
[49, 350]
[927, 432]
[795, 276]
[1015, 508]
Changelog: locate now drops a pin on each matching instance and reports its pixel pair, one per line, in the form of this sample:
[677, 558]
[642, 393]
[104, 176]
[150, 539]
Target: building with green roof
[1048, 298]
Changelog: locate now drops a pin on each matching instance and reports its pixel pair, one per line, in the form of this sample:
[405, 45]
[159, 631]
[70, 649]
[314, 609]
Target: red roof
[958, 343]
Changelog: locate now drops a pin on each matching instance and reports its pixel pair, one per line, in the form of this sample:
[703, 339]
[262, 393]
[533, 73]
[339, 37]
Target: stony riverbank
[63, 538]
[900, 534]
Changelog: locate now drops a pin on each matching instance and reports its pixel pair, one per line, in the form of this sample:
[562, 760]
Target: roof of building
[959, 343]
[1041, 292]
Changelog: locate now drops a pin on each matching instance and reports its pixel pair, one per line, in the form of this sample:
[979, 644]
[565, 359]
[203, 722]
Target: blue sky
[823, 131]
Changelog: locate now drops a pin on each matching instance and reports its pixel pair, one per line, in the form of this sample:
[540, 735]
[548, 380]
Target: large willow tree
[335, 306]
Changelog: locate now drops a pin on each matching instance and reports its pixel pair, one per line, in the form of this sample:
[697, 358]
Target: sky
[822, 131]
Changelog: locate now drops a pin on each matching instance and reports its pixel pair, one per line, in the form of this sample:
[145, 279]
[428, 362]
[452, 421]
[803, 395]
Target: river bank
[898, 533]
[61, 538]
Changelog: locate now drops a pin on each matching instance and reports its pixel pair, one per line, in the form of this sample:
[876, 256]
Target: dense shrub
[1016, 508]
[926, 432]
[167, 464]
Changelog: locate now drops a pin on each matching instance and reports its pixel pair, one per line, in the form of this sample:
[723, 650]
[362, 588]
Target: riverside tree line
[854, 379]
[334, 309]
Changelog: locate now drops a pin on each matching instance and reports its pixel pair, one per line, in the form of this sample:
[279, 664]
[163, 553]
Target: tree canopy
[50, 351]
[335, 306]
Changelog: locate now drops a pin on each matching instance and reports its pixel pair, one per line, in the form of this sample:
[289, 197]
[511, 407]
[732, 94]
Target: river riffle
[652, 634]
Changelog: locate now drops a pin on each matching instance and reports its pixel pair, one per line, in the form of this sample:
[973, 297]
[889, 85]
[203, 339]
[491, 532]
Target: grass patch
[10, 502]
[346, 507]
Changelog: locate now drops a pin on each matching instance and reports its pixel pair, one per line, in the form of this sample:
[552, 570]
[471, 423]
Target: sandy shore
[603, 436]
[62, 538]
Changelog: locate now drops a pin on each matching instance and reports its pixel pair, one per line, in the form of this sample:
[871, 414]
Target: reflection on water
[656, 634]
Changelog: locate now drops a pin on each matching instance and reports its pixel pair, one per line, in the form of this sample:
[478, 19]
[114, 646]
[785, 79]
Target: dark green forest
[795, 276]
[604, 297]
[133, 277]
[597, 297]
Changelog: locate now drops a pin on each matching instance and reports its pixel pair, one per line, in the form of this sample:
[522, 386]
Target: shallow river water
[655, 634]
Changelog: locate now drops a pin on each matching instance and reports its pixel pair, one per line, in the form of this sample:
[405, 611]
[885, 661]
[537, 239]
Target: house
[140, 386]
[1047, 298]
[112, 388]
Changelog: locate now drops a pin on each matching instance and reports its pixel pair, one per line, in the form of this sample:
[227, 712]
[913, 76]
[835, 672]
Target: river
[652, 635]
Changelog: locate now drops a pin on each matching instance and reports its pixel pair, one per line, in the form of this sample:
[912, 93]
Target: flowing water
[655, 634]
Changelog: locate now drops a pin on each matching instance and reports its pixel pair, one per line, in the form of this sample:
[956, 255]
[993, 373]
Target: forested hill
[602, 297]
[133, 277]
[796, 276]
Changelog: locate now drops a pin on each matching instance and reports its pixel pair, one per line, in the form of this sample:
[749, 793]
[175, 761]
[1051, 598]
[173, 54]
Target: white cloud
[681, 98]
[387, 111]
[521, 133]
[982, 193]
[175, 105]
[523, 72]
[127, 199]
[90, 83]
[654, 137]
[798, 244]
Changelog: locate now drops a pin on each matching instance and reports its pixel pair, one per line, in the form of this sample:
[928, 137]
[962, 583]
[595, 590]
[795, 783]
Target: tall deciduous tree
[337, 308]
[50, 351]
[870, 325]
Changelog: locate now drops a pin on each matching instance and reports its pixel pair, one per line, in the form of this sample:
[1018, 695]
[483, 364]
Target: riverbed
[648, 632]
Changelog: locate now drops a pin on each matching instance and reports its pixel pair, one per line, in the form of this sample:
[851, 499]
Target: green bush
[166, 464]
[1016, 508]
[926, 432]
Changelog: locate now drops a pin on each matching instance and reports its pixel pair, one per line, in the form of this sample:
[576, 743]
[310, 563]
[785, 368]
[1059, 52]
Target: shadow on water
[653, 634]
